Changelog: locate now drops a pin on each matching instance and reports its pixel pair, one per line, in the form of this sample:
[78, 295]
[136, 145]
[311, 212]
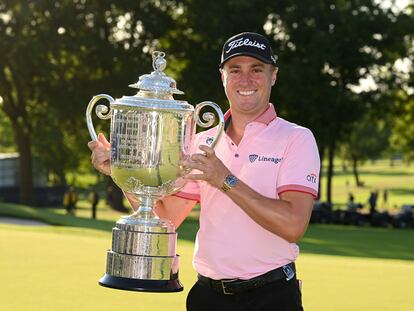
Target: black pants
[281, 295]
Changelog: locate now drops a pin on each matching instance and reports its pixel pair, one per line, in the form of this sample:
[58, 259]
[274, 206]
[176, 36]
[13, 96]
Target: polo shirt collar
[266, 117]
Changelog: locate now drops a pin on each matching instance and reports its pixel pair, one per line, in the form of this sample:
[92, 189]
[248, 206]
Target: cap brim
[262, 59]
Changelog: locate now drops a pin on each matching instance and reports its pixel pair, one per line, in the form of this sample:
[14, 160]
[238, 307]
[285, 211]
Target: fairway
[57, 268]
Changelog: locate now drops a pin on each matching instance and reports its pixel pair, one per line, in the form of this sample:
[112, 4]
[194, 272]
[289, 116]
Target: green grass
[57, 267]
[397, 179]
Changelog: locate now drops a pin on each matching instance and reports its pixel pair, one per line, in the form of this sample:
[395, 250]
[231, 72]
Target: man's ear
[274, 75]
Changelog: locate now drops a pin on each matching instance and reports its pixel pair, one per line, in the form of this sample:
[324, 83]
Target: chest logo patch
[260, 158]
[253, 157]
[209, 140]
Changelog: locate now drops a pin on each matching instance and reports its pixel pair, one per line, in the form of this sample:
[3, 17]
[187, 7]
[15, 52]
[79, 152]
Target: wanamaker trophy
[150, 135]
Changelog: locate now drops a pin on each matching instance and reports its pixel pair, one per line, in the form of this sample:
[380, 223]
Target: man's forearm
[287, 217]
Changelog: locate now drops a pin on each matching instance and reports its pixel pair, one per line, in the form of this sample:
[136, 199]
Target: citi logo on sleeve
[259, 158]
[312, 178]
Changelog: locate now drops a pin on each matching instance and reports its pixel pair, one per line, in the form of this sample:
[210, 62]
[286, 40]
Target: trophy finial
[157, 83]
[158, 61]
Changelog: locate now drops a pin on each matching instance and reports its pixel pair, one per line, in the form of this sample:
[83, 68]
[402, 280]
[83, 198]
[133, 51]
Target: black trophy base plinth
[155, 286]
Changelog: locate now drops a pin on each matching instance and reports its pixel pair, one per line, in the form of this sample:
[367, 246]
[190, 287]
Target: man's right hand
[101, 149]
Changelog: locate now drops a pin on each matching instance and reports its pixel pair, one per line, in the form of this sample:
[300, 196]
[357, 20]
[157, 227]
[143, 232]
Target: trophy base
[155, 286]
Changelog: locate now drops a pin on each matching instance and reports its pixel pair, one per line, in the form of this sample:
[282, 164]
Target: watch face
[231, 180]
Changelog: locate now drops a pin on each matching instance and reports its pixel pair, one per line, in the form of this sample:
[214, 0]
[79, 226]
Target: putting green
[57, 268]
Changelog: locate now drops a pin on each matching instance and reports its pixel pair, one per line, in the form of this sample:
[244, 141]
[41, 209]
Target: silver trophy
[151, 134]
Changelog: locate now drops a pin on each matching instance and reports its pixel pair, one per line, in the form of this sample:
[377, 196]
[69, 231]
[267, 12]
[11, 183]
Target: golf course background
[342, 267]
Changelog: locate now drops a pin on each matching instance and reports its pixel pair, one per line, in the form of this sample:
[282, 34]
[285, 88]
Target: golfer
[255, 189]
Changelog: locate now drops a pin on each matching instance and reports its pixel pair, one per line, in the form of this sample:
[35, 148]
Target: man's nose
[245, 77]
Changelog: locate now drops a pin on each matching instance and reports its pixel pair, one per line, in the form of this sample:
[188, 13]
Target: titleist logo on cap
[245, 42]
[249, 44]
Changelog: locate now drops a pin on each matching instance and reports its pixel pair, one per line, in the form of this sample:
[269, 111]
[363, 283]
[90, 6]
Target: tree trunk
[330, 173]
[355, 171]
[115, 197]
[25, 163]
[321, 156]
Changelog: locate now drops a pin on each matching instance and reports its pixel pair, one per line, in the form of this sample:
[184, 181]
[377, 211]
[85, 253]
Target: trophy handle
[209, 119]
[102, 111]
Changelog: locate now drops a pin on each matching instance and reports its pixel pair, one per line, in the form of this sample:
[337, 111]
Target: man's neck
[238, 124]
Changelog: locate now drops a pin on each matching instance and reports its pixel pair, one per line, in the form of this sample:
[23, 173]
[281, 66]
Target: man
[256, 191]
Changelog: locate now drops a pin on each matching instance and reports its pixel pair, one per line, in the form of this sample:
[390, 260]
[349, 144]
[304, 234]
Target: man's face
[247, 83]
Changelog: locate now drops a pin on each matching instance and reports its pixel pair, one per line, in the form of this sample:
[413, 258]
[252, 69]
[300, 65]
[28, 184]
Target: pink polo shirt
[273, 156]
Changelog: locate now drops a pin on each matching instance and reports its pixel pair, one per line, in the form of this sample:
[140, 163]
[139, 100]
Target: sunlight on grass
[57, 268]
[397, 179]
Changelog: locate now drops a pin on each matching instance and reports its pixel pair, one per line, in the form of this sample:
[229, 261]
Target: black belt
[236, 286]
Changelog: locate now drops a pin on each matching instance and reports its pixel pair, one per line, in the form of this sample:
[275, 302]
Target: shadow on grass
[359, 242]
[187, 230]
[319, 239]
[52, 217]
[402, 191]
[373, 173]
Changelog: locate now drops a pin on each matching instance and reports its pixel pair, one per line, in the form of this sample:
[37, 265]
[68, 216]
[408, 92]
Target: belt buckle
[223, 283]
[289, 272]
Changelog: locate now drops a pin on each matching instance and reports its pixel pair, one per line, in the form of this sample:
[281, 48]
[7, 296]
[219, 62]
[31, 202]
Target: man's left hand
[210, 167]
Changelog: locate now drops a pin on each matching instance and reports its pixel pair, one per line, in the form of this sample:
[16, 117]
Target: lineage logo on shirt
[260, 158]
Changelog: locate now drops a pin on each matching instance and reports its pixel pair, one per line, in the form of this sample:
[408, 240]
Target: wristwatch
[229, 182]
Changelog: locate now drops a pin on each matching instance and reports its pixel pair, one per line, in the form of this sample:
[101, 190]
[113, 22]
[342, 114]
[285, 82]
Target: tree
[402, 137]
[57, 55]
[367, 140]
[326, 49]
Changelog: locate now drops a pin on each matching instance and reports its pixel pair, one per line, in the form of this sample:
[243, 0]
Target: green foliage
[6, 134]
[402, 138]
[367, 140]
[325, 49]
[61, 53]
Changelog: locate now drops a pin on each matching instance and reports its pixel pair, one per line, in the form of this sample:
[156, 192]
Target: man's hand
[100, 154]
[212, 170]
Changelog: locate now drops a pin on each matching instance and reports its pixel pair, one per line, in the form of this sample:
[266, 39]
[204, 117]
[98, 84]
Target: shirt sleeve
[300, 165]
[191, 191]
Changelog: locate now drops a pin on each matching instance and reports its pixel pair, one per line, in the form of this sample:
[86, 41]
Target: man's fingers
[209, 152]
[103, 140]
[93, 144]
[198, 157]
[195, 176]
[193, 165]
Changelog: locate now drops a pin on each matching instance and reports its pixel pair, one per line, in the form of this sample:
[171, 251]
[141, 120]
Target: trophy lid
[157, 81]
[155, 90]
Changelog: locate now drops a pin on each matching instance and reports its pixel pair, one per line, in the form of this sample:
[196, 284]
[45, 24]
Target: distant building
[9, 170]
[10, 183]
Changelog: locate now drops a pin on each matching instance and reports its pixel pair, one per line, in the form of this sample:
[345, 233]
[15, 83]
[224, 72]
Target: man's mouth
[246, 93]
